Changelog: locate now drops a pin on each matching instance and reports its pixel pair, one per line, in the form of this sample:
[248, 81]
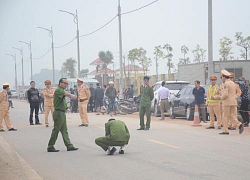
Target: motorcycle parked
[129, 106]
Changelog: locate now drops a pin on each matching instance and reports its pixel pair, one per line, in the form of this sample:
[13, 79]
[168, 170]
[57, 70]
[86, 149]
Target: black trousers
[74, 106]
[244, 110]
[91, 104]
[34, 106]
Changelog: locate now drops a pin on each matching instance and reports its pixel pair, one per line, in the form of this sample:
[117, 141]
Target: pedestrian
[229, 103]
[131, 92]
[111, 94]
[98, 98]
[5, 109]
[59, 116]
[213, 105]
[199, 94]
[164, 97]
[41, 103]
[10, 99]
[126, 92]
[147, 95]
[116, 134]
[48, 93]
[244, 101]
[74, 102]
[83, 99]
[33, 98]
[91, 104]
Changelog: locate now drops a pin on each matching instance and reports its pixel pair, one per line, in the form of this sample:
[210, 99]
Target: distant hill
[46, 74]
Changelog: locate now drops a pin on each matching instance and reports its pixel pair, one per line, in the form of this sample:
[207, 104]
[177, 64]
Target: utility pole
[52, 46]
[210, 39]
[14, 57]
[78, 41]
[21, 52]
[31, 66]
[120, 48]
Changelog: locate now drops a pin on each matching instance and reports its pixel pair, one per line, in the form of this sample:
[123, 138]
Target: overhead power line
[66, 43]
[43, 55]
[140, 7]
[99, 28]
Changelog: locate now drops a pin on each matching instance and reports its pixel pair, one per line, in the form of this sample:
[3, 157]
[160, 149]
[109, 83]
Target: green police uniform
[59, 117]
[147, 95]
[117, 134]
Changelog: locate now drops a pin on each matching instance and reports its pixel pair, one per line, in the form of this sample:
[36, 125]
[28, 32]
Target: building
[199, 71]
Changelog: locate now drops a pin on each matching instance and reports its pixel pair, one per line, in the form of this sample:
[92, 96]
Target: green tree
[84, 73]
[244, 43]
[106, 58]
[169, 57]
[158, 52]
[199, 54]
[143, 60]
[225, 48]
[68, 68]
[133, 56]
[184, 51]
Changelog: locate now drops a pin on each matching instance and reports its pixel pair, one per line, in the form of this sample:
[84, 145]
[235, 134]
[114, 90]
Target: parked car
[173, 86]
[14, 94]
[183, 103]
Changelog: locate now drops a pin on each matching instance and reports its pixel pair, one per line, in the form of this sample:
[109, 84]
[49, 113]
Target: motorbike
[129, 106]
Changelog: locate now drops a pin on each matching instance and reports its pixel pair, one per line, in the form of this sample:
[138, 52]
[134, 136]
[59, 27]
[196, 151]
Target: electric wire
[43, 55]
[66, 43]
[140, 8]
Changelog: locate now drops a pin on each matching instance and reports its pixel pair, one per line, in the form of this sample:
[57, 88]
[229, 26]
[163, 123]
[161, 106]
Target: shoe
[219, 127]
[231, 128]
[81, 125]
[32, 124]
[246, 125]
[224, 133]
[141, 128]
[146, 129]
[47, 125]
[2, 130]
[98, 114]
[38, 123]
[53, 150]
[72, 149]
[210, 127]
[121, 152]
[112, 151]
[86, 125]
[12, 129]
[241, 129]
[204, 121]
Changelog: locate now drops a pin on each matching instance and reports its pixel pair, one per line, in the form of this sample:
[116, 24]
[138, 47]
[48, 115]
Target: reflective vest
[213, 94]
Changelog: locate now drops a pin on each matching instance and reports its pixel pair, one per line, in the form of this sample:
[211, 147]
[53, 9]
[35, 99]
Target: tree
[199, 54]
[225, 48]
[106, 58]
[143, 60]
[133, 55]
[158, 52]
[68, 68]
[243, 42]
[184, 51]
[169, 57]
[84, 73]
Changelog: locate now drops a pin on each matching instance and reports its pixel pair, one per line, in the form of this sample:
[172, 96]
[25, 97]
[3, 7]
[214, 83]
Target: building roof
[101, 72]
[98, 61]
[130, 67]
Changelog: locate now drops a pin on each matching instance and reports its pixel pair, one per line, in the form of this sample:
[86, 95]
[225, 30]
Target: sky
[176, 22]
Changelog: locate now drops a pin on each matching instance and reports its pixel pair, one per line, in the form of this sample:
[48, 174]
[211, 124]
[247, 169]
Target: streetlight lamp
[21, 52]
[31, 68]
[77, 35]
[52, 46]
[14, 57]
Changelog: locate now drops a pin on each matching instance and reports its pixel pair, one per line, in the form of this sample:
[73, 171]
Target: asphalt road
[171, 149]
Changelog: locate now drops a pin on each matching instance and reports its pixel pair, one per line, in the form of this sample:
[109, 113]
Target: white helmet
[111, 82]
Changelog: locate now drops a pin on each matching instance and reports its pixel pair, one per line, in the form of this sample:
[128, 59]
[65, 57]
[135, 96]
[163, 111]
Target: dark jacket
[98, 94]
[131, 93]
[92, 92]
[111, 93]
[33, 95]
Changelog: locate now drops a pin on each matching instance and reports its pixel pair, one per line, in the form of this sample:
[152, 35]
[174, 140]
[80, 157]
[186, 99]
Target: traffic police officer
[229, 103]
[48, 93]
[83, 99]
[5, 109]
[59, 117]
[147, 95]
[213, 104]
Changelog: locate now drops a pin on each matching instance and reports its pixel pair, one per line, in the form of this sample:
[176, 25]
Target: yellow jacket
[83, 93]
[48, 96]
[4, 103]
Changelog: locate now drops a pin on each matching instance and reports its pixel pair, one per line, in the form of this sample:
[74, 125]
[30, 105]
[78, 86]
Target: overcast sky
[176, 22]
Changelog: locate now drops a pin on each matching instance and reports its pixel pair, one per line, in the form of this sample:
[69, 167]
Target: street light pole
[52, 46]
[21, 52]
[120, 47]
[31, 66]
[14, 57]
[210, 39]
[78, 41]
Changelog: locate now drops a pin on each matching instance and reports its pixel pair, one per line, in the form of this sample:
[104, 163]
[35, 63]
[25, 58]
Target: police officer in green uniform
[59, 117]
[117, 134]
[147, 95]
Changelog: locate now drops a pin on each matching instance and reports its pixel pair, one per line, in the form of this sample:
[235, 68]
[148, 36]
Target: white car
[14, 94]
[173, 86]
